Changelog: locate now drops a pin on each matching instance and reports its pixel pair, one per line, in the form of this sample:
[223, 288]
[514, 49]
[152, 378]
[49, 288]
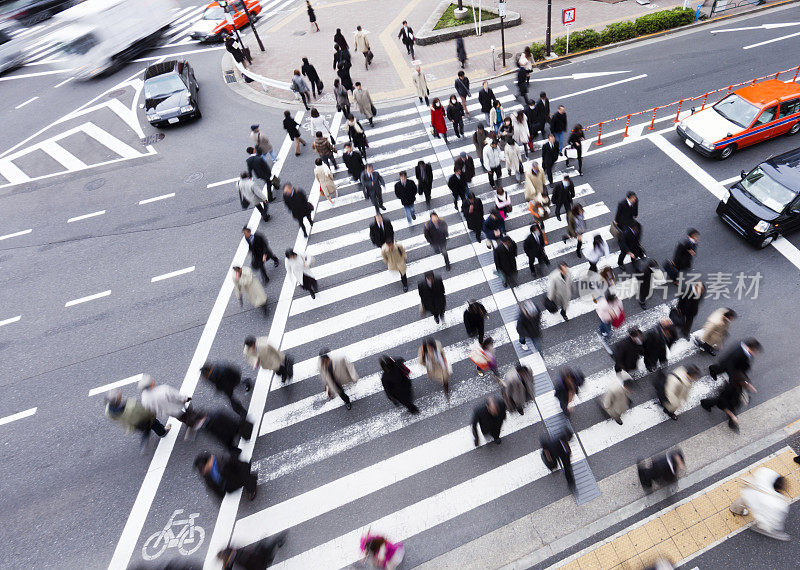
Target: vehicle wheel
[198, 114]
[727, 151]
[766, 242]
[795, 129]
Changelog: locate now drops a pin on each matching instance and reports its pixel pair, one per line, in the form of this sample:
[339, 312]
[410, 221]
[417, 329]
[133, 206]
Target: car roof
[155, 69]
[768, 91]
[785, 168]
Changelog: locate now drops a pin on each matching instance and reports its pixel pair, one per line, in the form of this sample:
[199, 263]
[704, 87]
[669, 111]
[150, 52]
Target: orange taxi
[214, 26]
[745, 117]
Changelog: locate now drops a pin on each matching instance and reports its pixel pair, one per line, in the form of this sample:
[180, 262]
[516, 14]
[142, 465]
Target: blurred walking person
[249, 192]
[567, 386]
[541, 114]
[534, 247]
[335, 372]
[556, 451]
[363, 99]
[486, 100]
[162, 399]
[715, 330]
[299, 86]
[462, 89]
[505, 261]
[133, 416]
[354, 162]
[394, 256]
[378, 552]
[483, 357]
[380, 231]
[226, 378]
[324, 176]
[298, 268]
[436, 234]
[432, 296]
[673, 388]
[575, 142]
[489, 415]
[292, 129]
[299, 206]
[312, 17]
[406, 35]
[550, 151]
[341, 96]
[576, 226]
[664, 469]
[513, 390]
[562, 196]
[261, 354]
[259, 169]
[737, 359]
[362, 45]
[475, 317]
[455, 112]
[730, 397]
[423, 172]
[559, 290]
[656, 342]
[492, 162]
[226, 475]
[246, 284]
[513, 155]
[472, 208]
[615, 400]
[626, 353]
[461, 53]
[763, 497]
[406, 192]
[431, 356]
[610, 312]
[688, 306]
[256, 556]
[355, 132]
[261, 143]
[324, 148]
[479, 141]
[598, 251]
[458, 186]
[313, 77]
[529, 324]
[260, 252]
[396, 383]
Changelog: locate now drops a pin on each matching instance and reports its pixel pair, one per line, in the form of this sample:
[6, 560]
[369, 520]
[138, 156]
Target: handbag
[320, 85]
[373, 110]
[549, 305]
[243, 201]
[370, 55]
[613, 229]
[571, 152]
[618, 319]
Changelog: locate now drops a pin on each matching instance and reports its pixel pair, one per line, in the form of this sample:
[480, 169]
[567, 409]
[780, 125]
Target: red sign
[568, 16]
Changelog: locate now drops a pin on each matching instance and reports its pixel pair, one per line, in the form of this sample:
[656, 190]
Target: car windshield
[214, 13]
[737, 110]
[4, 37]
[79, 46]
[163, 86]
[766, 191]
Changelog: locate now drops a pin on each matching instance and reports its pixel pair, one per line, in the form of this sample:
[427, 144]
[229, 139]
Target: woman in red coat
[437, 119]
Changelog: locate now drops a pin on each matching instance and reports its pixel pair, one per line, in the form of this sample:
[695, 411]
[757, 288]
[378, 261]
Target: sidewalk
[389, 76]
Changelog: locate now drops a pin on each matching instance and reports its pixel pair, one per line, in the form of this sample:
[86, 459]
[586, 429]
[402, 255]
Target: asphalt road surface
[72, 480]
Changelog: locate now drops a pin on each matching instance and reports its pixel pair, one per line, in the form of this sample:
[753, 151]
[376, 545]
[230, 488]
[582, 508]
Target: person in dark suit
[489, 415]
[630, 242]
[406, 35]
[737, 359]
[431, 295]
[406, 192]
[225, 378]
[556, 450]
[259, 252]
[688, 306]
[656, 342]
[686, 250]
[562, 195]
[373, 185]
[486, 99]
[226, 475]
[222, 426]
[664, 469]
[380, 231]
[550, 153]
[626, 352]
[297, 203]
[458, 186]
[541, 115]
[467, 166]
[627, 210]
[472, 208]
[534, 248]
[436, 233]
[505, 261]
[258, 168]
[396, 383]
[353, 161]
[424, 175]
[567, 385]
[729, 397]
[475, 316]
[256, 556]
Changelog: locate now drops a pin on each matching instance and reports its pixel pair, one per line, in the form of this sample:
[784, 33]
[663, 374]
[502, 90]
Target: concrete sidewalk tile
[793, 485]
[701, 534]
[641, 539]
[589, 561]
[732, 488]
[685, 543]
[571, 566]
[634, 563]
[607, 556]
[787, 457]
[733, 521]
[624, 548]
[669, 550]
[718, 498]
[673, 522]
[704, 507]
[718, 526]
[657, 531]
[688, 514]
[650, 556]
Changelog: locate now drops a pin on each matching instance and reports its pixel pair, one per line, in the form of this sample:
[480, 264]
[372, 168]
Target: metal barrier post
[678, 114]
[705, 98]
[627, 124]
[730, 87]
[796, 71]
[599, 132]
[653, 121]
[777, 74]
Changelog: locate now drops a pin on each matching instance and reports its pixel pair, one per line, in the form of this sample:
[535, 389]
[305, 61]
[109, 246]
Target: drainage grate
[508, 55]
[230, 76]
[152, 139]
[116, 93]
[299, 33]
[193, 177]
[95, 184]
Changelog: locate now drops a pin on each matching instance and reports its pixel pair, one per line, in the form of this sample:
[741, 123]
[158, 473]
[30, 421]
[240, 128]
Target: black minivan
[765, 203]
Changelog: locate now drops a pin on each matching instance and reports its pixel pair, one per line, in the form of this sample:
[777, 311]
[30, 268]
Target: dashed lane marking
[86, 216]
[117, 384]
[157, 198]
[17, 416]
[9, 321]
[172, 274]
[31, 100]
[87, 298]
[16, 234]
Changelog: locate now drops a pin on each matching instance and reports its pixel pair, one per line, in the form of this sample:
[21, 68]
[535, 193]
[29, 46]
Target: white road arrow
[761, 27]
[581, 75]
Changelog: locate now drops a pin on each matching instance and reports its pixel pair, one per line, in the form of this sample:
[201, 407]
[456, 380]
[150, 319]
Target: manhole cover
[230, 76]
[116, 93]
[152, 139]
[95, 184]
[507, 55]
[299, 33]
[193, 177]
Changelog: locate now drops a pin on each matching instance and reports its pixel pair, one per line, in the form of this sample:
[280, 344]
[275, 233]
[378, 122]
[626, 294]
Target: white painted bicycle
[187, 540]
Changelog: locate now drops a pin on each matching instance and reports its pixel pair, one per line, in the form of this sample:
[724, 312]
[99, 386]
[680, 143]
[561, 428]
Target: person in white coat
[362, 44]
[252, 192]
[762, 497]
[514, 159]
[327, 185]
[673, 389]
[492, 158]
[559, 289]
[245, 283]
[334, 372]
[298, 267]
[163, 400]
[421, 85]
[319, 124]
[522, 134]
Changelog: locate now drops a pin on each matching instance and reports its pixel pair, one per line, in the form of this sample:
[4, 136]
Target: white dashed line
[17, 416]
[15, 234]
[67, 80]
[117, 384]
[85, 216]
[31, 100]
[88, 298]
[172, 274]
[157, 198]
[222, 182]
[11, 320]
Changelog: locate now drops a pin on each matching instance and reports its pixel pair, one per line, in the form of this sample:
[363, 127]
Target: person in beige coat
[673, 389]
[615, 400]
[363, 99]
[336, 371]
[420, 85]
[259, 353]
[245, 283]
[715, 330]
[394, 256]
[431, 356]
[534, 181]
[514, 159]
[559, 288]
[327, 185]
[362, 45]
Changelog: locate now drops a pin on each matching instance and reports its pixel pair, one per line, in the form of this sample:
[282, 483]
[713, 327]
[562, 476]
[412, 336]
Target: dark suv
[765, 203]
[30, 12]
[170, 93]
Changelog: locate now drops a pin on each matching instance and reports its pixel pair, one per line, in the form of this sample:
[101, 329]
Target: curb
[428, 36]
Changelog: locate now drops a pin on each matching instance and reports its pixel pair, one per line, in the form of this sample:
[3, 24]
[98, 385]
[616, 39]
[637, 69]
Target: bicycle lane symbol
[184, 535]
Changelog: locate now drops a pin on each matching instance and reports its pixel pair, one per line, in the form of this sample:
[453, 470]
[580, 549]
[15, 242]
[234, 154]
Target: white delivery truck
[98, 35]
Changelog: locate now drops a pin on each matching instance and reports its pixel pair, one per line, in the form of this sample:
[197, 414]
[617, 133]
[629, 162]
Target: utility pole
[224, 5]
[549, 23]
[501, 10]
[252, 25]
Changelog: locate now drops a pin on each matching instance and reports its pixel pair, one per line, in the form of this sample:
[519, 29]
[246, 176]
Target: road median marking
[17, 416]
[87, 298]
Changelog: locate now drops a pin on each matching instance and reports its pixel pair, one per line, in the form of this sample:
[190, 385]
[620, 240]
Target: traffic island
[442, 25]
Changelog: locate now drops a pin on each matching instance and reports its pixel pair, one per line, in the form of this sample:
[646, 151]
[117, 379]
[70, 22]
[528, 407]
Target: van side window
[789, 108]
[795, 207]
[768, 115]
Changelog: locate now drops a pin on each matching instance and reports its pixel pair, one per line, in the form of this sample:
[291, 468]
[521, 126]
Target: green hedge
[618, 32]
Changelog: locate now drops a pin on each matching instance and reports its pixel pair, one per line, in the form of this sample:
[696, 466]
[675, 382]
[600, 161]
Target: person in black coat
[522, 83]
[313, 77]
[534, 248]
[630, 243]
[226, 475]
[686, 250]
[222, 426]
[257, 167]
[292, 129]
[353, 161]
[396, 383]
[729, 397]
[558, 125]
[489, 415]
[297, 203]
[406, 35]
[688, 306]
[541, 114]
[458, 186]
[505, 261]
[343, 71]
[486, 99]
[664, 469]
[380, 231]
[550, 152]
[431, 295]
[455, 112]
[627, 210]
[259, 252]
[424, 175]
[567, 386]
[645, 278]
[626, 352]
[406, 192]
[737, 359]
[562, 195]
[472, 208]
[474, 319]
[340, 40]
[462, 88]
[529, 324]
[467, 165]
[556, 450]
[656, 342]
[256, 556]
[225, 378]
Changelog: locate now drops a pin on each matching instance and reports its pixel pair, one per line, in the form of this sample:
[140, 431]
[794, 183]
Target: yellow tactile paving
[680, 532]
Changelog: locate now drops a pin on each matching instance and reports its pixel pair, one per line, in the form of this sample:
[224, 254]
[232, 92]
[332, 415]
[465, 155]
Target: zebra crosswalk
[329, 474]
